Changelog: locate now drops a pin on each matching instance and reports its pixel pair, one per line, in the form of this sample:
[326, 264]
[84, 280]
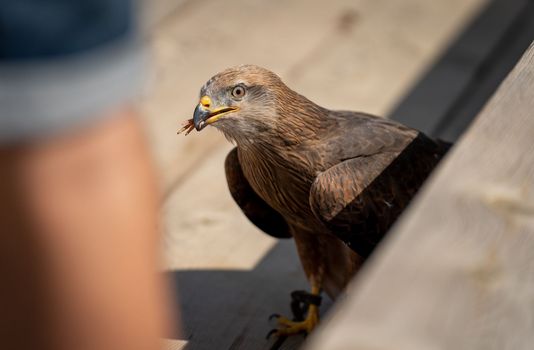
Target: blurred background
[429, 64]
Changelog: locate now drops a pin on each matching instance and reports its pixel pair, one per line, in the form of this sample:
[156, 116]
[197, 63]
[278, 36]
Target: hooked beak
[204, 116]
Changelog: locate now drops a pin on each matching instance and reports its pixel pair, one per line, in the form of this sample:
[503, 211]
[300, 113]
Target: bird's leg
[301, 324]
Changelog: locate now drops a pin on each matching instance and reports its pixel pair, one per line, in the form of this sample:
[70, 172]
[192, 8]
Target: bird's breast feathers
[284, 187]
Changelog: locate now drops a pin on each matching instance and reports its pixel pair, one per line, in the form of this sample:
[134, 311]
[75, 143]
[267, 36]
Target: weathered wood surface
[359, 55]
[458, 270]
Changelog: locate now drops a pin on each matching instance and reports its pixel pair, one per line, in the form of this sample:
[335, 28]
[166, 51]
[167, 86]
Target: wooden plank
[447, 97]
[457, 272]
[204, 229]
[174, 344]
[377, 50]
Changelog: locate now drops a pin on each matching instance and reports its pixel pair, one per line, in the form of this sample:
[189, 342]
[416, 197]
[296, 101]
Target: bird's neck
[300, 120]
[297, 121]
[300, 125]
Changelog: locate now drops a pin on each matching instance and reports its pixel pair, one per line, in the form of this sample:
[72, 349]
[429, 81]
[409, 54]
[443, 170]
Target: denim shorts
[63, 63]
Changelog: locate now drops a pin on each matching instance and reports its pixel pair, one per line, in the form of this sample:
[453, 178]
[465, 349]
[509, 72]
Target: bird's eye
[238, 91]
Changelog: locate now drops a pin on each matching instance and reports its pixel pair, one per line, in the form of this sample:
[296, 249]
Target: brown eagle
[335, 181]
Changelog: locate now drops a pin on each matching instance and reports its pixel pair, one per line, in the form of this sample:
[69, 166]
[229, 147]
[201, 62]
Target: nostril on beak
[205, 101]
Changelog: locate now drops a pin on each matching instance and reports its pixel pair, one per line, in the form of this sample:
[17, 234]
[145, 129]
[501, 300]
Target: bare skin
[79, 241]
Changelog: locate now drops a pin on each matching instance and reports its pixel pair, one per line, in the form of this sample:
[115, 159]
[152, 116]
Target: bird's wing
[256, 209]
[359, 198]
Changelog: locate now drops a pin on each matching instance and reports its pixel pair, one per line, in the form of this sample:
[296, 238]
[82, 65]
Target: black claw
[271, 332]
[273, 316]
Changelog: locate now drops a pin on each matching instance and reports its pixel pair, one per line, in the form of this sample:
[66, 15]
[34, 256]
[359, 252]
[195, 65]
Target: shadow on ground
[229, 309]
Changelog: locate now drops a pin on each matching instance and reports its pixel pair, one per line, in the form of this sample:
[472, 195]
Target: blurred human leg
[79, 241]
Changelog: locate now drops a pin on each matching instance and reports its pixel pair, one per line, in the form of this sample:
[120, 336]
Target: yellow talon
[281, 320]
[288, 327]
[291, 327]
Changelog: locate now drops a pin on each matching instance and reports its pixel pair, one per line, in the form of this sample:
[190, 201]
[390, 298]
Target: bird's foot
[287, 327]
[299, 325]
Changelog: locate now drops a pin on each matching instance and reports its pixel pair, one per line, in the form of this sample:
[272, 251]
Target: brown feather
[256, 210]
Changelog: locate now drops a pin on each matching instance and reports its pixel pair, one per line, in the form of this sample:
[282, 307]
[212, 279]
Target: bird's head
[241, 101]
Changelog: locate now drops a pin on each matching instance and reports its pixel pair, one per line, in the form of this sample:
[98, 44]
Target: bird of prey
[335, 181]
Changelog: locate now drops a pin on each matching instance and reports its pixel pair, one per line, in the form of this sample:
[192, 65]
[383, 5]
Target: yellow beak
[204, 115]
